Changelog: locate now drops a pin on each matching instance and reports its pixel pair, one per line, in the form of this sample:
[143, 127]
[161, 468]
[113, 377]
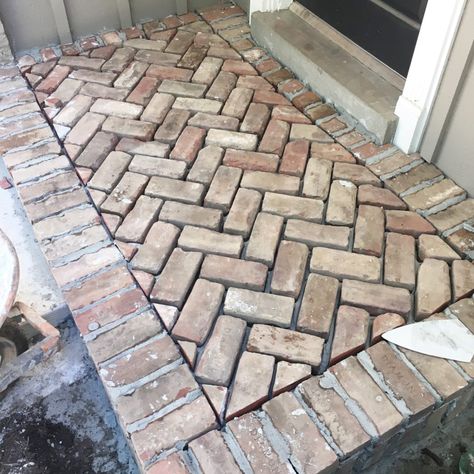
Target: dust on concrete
[57, 419]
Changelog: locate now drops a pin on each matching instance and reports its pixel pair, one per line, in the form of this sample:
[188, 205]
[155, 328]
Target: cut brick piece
[317, 178]
[237, 103]
[252, 383]
[172, 126]
[432, 246]
[154, 396]
[376, 299]
[165, 432]
[189, 350]
[292, 346]
[307, 447]
[331, 409]
[400, 261]
[403, 182]
[125, 194]
[289, 375]
[199, 312]
[331, 152]
[250, 436]
[463, 279]
[402, 381]
[275, 137]
[52, 81]
[147, 359]
[407, 222]
[205, 165]
[278, 183]
[182, 191]
[213, 454]
[250, 160]
[243, 212]
[452, 216]
[167, 314]
[357, 174]
[369, 230]
[188, 144]
[217, 396]
[223, 188]
[352, 325]
[360, 387]
[294, 160]
[375, 196]
[129, 128]
[383, 323]
[288, 113]
[341, 264]
[187, 214]
[257, 307]
[209, 241]
[318, 305]
[220, 354]
[138, 221]
[158, 107]
[293, 207]
[176, 280]
[234, 272]
[316, 235]
[433, 292]
[342, 203]
[159, 243]
[289, 269]
[264, 238]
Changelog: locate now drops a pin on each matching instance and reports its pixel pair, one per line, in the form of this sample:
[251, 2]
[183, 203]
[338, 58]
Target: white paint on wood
[268, 6]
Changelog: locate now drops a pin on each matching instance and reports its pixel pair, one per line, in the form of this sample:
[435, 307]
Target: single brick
[463, 279]
[316, 235]
[144, 91]
[369, 230]
[157, 108]
[230, 139]
[275, 137]
[407, 222]
[205, 165]
[177, 277]
[237, 103]
[375, 196]
[172, 126]
[293, 207]
[357, 174]
[183, 89]
[137, 147]
[97, 150]
[222, 86]
[110, 172]
[129, 128]
[73, 111]
[157, 57]
[342, 203]
[383, 323]
[311, 133]
[209, 121]
[294, 160]
[208, 106]
[223, 188]
[403, 182]
[97, 91]
[199, 312]
[292, 346]
[169, 72]
[85, 129]
[256, 119]
[392, 163]
[207, 71]
[278, 183]
[186, 214]
[250, 160]
[289, 375]
[221, 352]
[452, 216]
[243, 212]
[132, 74]
[117, 108]
[153, 166]
[188, 144]
[400, 261]
[318, 305]
[432, 246]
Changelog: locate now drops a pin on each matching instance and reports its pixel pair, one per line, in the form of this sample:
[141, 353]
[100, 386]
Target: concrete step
[329, 70]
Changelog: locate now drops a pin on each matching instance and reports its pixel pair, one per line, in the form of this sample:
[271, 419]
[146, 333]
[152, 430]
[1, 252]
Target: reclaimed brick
[375, 196]
[223, 188]
[390, 164]
[159, 243]
[96, 91]
[251, 160]
[180, 42]
[209, 121]
[256, 118]
[205, 165]
[432, 246]
[172, 126]
[158, 107]
[318, 305]
[188, 144]
[97, 150]
[50, 83]
[233, 272]
[264, 239]
[361, 388]
[243, 212]
[132, 74]
[317, 178]
[182, 191]
[66, 90]
[110, 172]
[125, 194]
[383, 323]
[209, 241]
[294, 160]
[263, 181]
[357, 174]
[193, 57]
[183, 89]
[220, 354]
[222, 86]
[207, 71]
[332, 152]
[288, 113]
[41, 169]
[153, 166]
[293, 207]
[129, 128]
[463, 241]
[452, 216]
[85, 129]
[186, 214]
[167, 314]
[305, 99]
[169, 72]
[369, 230]
[61, 182]
[462, 278]
[376, 298]
[275, 137]
[311, 133]
[252, 384]
[433, 292]
[269, 98]
[288, 375]
[405, 181]
[223, 52]
[143, 91]
[316, 235]
[199, 312]
[342, 203]
[371, 150]
[73, 111]
[104, 78]
[157, 57]
[230, 139]
[177, 277]
[237, 102]
[407, 222]
[116, 108]
[400, 261]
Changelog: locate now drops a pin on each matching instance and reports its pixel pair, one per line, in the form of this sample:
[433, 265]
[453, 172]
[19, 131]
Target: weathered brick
[318, 305]
[104, 78]
[61, 182]
[220, 354]
[181, 42]
[165, 432]
[307, 447]
[270, 98]
[256, 119]
[407, 222]
[263, 181]
[330, 408]
[293, 207]
[110, 172]
[288, 113]
[177, 278]
[230, 139]
[193, 57]
[316, 235]
[184, 89]
[294, 162]
[157, 57]
[251, 160]
[116, 108]
[52, 81]
[288, 375]
[432, 246]
[369, 230]
[452, 216]
[433, 292]
[237, 102]
[383, 323]
[252, 384]
[463, 279]
[361, 388]
[342, 203]
[132, 74]
[73, 111]
[332, 152]
[264, 239]
[371, 150]
[222, 86]
[100, 91]
[389, 165]
[207, 71]
[275, 137]
[143, 91]
[66, 90]
[41, 169]
[129, 128]
[157, 108]
[153, 166]
[463, 241]
[414, 177]
[186, 214]
[182, 191]
[209, 121]
[375, 196]
[169, 72]
[205, 165]
[400, 260]
[159, 243]
[289, 269]
[172, 126]
[125, 194]
[223, 188]
[311, 133]
[199, 312]
[234, 272]
[243, 212]
[375, 298]
[188, 144]
[85, 129]
[138, 221]
[357, 174]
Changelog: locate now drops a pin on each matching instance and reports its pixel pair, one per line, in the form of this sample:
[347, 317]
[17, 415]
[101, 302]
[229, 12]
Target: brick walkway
[273, 239]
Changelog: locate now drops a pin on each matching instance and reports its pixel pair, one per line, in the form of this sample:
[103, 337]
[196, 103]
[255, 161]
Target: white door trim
[268, 6]
[437, 33]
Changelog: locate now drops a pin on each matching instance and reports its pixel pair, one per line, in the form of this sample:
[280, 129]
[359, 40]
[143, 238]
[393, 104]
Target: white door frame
[267, 6]
[438, 30]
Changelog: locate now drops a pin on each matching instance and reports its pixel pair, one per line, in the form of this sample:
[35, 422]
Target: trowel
[445, 338]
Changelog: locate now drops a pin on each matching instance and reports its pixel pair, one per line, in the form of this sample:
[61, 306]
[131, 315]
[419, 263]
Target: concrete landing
[329, 70]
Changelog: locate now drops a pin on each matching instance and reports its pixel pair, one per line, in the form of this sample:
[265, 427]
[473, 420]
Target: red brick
[275, 137]
[188, 144]
[407, 222]
[305, 99]
[249, 160]
[294, 158]
[383, 323]
[55, 77]
[375, 196]
[269, 98]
